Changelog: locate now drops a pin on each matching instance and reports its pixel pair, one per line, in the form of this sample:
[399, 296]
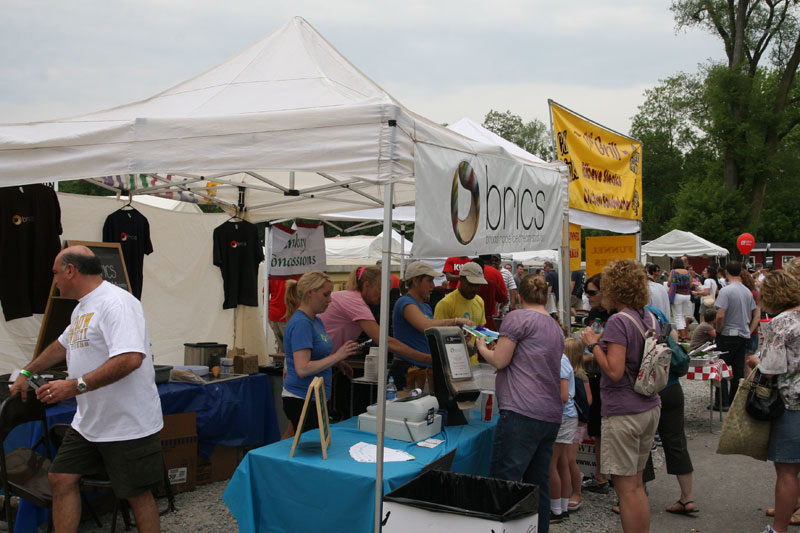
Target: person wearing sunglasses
[599, 482]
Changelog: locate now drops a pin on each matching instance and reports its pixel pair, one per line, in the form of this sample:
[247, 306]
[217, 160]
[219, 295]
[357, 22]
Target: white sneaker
[768, 530]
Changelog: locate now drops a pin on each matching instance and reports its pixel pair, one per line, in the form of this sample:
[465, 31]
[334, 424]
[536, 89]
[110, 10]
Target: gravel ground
[204, 511]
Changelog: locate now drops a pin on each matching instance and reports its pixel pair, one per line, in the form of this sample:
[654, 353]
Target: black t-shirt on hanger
[237, 252]
[30, 225]
[131, 230]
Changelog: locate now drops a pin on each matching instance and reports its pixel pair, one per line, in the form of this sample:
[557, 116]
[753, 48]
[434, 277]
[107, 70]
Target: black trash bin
[481, 504]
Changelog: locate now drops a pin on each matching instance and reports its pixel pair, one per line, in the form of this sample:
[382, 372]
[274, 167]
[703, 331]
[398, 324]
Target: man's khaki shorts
[132, 466]
[626, 442]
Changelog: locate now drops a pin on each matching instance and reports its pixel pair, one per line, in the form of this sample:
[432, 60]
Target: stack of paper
[366, 453]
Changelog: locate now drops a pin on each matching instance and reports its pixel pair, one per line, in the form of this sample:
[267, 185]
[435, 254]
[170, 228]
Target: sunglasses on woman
[590, 292]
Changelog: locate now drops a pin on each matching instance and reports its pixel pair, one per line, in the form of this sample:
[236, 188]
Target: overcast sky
[443, 59]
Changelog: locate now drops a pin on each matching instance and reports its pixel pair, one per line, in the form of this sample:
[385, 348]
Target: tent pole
[402, 250]
[564, 275]
[380, 422]
[639, 242]
[267, 236]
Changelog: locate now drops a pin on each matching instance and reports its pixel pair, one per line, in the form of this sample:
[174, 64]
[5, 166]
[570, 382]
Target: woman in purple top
[629, 418]
[528, 389]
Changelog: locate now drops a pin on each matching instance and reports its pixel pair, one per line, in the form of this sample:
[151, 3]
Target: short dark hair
[734, 268]
[710, 314]
[88, 265]
[653, 268]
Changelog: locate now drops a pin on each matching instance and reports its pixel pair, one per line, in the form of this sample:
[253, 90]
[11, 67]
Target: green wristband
[26, 373]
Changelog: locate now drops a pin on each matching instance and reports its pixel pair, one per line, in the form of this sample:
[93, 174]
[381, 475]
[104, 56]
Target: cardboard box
[224, 461]
[220, 466]
[245, 364]
[179, 444]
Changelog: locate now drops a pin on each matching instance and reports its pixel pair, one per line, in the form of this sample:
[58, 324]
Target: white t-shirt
[107, 322]
[710, 284]
[659, 298]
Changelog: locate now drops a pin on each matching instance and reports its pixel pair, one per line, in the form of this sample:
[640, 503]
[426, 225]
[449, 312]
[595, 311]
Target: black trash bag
[467, 495]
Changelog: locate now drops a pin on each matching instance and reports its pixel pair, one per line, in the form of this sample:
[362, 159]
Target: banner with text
[574, 247]
[296, 250]
[605, 167]
[495, 204]
[600, 251]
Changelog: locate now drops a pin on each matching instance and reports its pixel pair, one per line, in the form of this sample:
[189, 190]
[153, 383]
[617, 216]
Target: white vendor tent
[363, 246]
[286, 128]
[677, 243]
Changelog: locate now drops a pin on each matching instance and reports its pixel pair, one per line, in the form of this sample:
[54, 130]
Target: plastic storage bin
[447, 501]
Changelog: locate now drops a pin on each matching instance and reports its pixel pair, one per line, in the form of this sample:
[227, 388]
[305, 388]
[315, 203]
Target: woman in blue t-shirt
[412, 315]
[308, 347]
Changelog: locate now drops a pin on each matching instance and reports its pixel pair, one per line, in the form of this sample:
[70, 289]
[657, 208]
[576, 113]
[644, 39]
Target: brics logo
[465, 229]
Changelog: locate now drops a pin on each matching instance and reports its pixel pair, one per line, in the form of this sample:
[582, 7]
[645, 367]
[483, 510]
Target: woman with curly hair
[780, 295]
[629, 418]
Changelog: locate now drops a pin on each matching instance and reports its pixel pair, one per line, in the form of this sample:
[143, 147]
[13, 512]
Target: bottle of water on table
[391, 389]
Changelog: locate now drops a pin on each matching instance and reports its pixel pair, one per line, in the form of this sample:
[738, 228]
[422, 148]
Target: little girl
[560, 483]
[573, 348]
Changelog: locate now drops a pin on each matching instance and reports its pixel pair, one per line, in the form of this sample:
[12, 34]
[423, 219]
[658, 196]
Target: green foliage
[83, 187]
[534, 136]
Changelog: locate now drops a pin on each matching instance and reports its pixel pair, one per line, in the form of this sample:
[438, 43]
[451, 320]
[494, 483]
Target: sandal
[793, 521]
[574, 505]
[682, 509]
[615, 508]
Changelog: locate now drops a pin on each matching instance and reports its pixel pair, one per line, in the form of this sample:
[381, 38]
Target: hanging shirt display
[131, 230]
[237, 252]
[30, 225]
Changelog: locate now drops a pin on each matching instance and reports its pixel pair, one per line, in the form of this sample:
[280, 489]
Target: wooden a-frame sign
[317, 388]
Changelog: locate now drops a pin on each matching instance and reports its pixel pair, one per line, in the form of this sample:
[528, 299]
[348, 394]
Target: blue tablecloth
[271, 491]
[238, 412]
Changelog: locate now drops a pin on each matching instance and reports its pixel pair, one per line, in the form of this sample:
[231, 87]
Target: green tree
[753, 99]
[534, 136]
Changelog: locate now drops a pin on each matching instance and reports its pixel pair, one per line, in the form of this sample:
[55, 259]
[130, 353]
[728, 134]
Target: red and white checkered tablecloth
[715, 369]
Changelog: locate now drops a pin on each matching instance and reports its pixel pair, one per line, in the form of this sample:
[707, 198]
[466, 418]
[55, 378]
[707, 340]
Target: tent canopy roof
[677, 243]
[290, 119]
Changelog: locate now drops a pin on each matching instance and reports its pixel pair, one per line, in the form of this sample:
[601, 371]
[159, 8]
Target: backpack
[679, 364]
[581, 401]
[654, 368]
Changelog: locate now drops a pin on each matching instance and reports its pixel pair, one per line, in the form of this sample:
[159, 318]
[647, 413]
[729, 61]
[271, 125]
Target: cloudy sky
[443, 59]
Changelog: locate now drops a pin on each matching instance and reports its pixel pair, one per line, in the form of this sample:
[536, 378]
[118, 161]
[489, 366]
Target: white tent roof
[289, 118]
[362, 246]
[471, 129]
[677, 243]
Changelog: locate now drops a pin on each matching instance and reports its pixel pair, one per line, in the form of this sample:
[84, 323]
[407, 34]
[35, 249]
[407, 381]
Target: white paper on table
[367, 453]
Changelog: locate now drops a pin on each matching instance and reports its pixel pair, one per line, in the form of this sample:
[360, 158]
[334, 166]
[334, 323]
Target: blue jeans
[521, 451]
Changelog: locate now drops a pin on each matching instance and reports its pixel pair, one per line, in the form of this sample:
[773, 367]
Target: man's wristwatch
[82, 386]
[591, 347]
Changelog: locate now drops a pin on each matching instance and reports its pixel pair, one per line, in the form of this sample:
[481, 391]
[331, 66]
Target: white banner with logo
[473, 204]
[296, 250]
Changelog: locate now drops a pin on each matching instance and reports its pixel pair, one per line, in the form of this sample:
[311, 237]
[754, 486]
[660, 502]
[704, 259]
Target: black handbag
[763, 400]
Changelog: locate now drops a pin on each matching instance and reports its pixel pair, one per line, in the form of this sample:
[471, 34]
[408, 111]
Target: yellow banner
[605, 167]
[574, 247]
[600, 251]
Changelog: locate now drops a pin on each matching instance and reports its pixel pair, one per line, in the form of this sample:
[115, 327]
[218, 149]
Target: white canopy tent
[677, 243]
[364, 246]
[286, 128]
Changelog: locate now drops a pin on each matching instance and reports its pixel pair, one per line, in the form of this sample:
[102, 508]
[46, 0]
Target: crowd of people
[552, 388]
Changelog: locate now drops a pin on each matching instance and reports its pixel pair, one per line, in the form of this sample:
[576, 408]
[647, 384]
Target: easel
[317, 388]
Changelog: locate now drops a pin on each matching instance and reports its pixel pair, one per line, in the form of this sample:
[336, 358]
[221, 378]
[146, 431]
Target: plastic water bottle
[391, 389]
[597, 326]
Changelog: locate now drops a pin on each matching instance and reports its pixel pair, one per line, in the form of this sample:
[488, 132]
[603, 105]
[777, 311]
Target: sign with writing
[495, 204]
[296, 250]
[110, 255]
[600, 251]
[605, 167]
[574, 247]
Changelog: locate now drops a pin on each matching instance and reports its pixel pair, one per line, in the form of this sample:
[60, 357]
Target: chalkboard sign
[317, 388]
[110, 254]
[59, 310]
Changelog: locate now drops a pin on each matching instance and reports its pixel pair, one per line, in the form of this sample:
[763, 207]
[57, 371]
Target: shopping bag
[742, 434]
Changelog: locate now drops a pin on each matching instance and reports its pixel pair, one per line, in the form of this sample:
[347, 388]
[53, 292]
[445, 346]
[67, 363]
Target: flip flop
[574, 506]
[683, 510]
[793, 521]
[615, 508]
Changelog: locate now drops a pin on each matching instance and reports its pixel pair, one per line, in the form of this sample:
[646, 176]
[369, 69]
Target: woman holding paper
[528, 388]
[309, 350]
[411, 316]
